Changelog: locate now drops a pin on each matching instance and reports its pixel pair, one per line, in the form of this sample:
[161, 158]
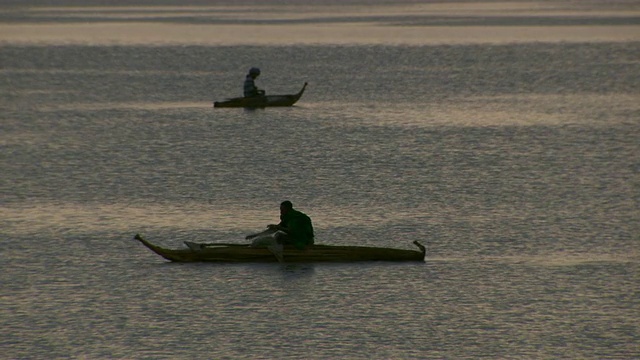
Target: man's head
[285, 206]
[254, 72]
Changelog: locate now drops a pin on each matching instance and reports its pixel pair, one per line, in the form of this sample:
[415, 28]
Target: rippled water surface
[515, 162]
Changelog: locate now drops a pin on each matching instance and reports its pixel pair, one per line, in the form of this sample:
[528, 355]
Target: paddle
[262, 233]
[277, 251]
[197, 246]
[275, 248]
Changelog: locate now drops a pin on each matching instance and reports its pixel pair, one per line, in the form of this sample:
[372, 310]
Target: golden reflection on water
[501, 110]
[563, 259]
[406, 24]
[315, 11]
[99, 106]
[85, 218]
[310, 10]
[338, 34]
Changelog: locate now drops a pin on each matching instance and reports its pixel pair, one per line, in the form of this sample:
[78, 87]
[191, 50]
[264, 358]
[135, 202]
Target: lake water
[504, 136]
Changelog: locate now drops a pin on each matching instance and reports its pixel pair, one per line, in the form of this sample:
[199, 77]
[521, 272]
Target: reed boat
[239, 253]
[261, 101]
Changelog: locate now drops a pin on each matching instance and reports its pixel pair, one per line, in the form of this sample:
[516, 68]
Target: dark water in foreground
[517, 165]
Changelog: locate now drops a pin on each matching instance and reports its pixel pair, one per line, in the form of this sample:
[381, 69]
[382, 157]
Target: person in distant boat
[295, 228]
[250, 88]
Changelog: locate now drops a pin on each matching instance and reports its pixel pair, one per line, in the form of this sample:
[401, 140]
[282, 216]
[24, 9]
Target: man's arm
[280, 227]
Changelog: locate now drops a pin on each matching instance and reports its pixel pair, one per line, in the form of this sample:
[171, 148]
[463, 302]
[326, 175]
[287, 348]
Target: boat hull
[261, 101]
[239, 253]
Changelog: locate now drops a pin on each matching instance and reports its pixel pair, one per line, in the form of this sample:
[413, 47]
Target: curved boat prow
[423, 250]
[156, 249]
[289, 100]
[299, 94]
[139, 238]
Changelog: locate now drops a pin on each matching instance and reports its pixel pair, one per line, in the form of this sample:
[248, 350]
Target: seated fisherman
[250, 88]
[295, 228]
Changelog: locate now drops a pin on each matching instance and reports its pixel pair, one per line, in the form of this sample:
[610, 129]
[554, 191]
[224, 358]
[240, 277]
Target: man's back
[300, 227]
[250, 88]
